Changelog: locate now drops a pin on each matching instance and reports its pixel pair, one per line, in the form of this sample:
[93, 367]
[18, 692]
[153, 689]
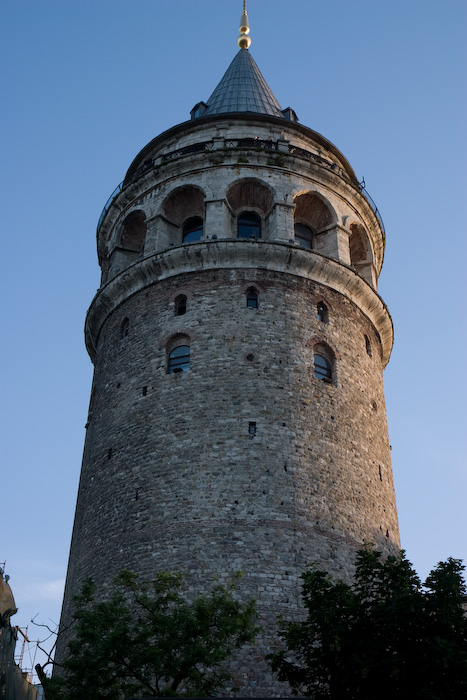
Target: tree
[146, 639]
[384, 636]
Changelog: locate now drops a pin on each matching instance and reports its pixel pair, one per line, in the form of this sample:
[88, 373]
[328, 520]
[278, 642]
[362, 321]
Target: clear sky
[85, 84]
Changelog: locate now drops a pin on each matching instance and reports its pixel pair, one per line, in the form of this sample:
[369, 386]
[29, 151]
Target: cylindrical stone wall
[172, 479]
[247, 461]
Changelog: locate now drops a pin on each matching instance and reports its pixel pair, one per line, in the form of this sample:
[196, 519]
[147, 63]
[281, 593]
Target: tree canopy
[383, 636]
[147, 639]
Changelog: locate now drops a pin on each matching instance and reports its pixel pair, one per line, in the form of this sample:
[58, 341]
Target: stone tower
[237, 416]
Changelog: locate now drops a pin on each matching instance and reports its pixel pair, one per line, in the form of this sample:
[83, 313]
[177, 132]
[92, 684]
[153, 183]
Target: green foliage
[278, 161]
[146, 639]
[384, 637]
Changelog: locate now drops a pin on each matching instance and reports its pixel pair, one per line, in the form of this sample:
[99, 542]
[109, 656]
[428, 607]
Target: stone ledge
[239, 255]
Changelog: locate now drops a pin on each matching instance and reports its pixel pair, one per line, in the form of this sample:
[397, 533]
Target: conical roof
[243, 89]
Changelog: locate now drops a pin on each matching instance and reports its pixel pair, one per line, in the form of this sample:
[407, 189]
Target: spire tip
[244, 40]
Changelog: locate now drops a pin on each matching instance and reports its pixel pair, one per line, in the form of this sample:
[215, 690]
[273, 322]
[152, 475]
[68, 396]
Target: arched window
[179, 359]
[322, 312]
[180, 305]
[368, 346]
[323, 362]
[124, 328]
[304, 235]
[252, 298]
[192, 229]
[323, 369]
[249, 225]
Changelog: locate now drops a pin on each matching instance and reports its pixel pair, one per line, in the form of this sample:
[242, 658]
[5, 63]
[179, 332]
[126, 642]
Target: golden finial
[244, 40]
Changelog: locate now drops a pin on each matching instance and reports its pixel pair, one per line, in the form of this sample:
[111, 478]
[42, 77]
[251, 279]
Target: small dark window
[249, 225]
[179, 360]
[180, 305]
[124, 328]
[192, 229]
[323, 368]
[304, 235]
[252, 428]
[368, 346]
[252, 299]
[322, 312]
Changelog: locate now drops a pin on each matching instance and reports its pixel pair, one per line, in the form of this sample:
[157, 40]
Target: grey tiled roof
[243, 89]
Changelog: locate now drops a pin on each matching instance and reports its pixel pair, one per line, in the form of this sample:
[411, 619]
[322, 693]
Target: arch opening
[133, 233]
[312, 211]
[250, 194]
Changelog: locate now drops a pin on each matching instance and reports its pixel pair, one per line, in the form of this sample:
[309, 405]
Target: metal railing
[329, 164]
[242, 144]
[116, 191]
[373, 206]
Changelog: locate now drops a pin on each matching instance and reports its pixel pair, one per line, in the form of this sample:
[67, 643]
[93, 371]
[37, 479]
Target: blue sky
[86, 84]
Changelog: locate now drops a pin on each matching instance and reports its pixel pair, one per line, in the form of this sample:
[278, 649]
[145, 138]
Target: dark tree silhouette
[385, 636]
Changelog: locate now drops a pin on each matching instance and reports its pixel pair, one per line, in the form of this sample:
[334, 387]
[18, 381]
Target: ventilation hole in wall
[252, 428]
[387, 533]
[332, 417]
[118, 385]
[136, 494]
[145, 390]
[180, 305]
[374, 406]
[109, 453]
[380, 473]
[236, 502]
[283, 425]
[285, 467]
[250, 357]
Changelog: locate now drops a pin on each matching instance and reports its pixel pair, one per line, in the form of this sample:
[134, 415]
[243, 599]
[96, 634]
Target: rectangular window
[252, 428]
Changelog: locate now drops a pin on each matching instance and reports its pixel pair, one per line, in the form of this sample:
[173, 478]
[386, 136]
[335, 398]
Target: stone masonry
[247, 460]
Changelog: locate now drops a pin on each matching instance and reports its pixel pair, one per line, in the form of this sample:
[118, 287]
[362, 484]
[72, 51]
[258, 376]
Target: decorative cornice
[240, 254]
